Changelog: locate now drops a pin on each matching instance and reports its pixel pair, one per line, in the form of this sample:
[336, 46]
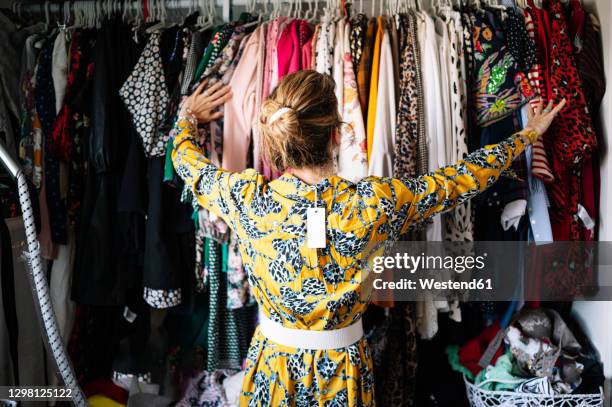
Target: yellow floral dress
[320, 289]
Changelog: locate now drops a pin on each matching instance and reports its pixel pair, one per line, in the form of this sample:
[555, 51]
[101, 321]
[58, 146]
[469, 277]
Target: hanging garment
[146, 97]
[331, 301]
[364, 70]
[59, 287]
[352, 154]
[571, 138]
[12, 40]
[216, 71]
[271, 60]
[358, 28]
[374, 78]
[73, 125]
[169, 242]
[383, 131]
[338, 64]
[395, 47]
[520, 43]
[407, 130]
[275, 73]
[537, 200]
[30, 138]
[325, 46]
[240, 112]
[196, 48]
[259, 76]
[220, 38]
[393, 345]
[290, 43]
[45, 107]
[239, 121]
[494, 74]
[315, 39]
[446, 144]
[458, 223]
[270, 78]
[307, 60]
[206, 389]
[540, 162]
[110, 241]
[60, 68]
[508, 189]
[430, 70]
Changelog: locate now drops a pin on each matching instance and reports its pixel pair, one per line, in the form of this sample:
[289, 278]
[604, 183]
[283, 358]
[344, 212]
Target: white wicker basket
[487, 398]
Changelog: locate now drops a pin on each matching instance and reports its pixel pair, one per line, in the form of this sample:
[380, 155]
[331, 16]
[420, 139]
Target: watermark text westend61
[490, 271]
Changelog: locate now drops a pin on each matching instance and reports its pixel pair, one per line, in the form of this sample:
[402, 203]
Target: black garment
[10, 368]
[110, 244]
[170, 240]
[437, 385]
[520, 44]
[505, 190]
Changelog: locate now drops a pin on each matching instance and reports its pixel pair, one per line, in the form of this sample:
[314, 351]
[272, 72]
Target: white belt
[306, 339]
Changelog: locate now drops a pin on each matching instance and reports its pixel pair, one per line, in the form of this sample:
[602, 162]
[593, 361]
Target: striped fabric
[540, 167]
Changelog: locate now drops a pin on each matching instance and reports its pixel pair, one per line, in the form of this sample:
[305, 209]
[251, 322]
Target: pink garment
[270, 78]
[240, 112]
[271, 56]
[48, 250]
[290, 47]
[287, 50]
[307, 54]
[261, 61]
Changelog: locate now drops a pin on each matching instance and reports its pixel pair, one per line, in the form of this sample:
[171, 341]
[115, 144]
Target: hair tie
[276, 115]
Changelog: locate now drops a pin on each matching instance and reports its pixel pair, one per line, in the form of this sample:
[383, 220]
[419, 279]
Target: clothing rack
[54, 11]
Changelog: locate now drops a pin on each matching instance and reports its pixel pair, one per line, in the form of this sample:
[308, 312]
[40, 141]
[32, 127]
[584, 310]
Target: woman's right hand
[539, 120]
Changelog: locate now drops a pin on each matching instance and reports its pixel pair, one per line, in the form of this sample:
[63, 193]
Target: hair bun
[297, 120]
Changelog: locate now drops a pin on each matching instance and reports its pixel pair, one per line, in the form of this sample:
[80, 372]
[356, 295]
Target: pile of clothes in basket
[535, 353]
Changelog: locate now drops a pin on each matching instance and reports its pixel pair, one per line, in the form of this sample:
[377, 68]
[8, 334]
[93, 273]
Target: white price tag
[315, 228]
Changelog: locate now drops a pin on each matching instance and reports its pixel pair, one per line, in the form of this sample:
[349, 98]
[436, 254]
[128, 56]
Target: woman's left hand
[203, 105]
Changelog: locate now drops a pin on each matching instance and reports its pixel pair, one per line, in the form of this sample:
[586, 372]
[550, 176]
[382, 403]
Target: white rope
[40, 288]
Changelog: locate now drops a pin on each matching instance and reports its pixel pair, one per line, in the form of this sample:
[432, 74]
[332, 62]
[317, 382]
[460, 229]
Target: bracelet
[186, 114]
[531, 135]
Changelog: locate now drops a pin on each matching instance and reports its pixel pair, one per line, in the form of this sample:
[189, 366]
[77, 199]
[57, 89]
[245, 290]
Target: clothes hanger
[491, 5]
[46, 8]
[124, 14]
[205, 20]
[98, 15]
[315, 10]
[162, 15]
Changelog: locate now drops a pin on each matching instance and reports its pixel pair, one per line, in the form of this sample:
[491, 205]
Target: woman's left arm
[417, 199]
[217, 190]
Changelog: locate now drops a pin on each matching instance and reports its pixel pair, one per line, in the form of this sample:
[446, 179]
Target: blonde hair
[297, 121]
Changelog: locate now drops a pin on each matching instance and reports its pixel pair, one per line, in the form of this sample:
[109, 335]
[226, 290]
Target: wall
[596, 317]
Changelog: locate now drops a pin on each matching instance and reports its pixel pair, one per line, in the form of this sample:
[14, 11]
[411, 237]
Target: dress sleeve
[410, 201]
[219, 191]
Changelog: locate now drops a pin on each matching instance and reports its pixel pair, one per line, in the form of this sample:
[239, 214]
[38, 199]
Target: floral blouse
[319, 289]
